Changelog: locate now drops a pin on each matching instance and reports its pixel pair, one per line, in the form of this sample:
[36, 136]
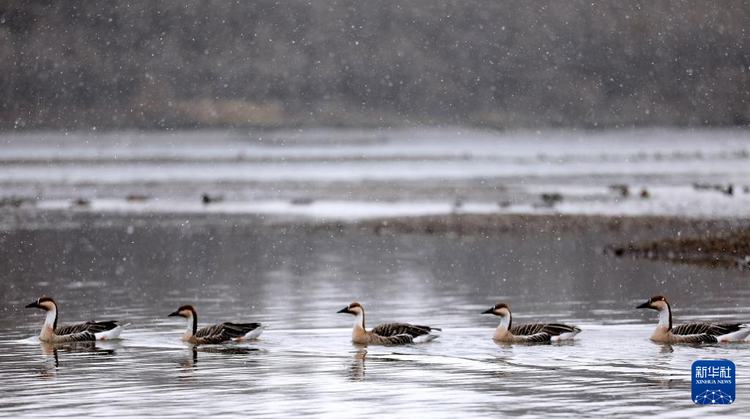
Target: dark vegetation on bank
[189, 63]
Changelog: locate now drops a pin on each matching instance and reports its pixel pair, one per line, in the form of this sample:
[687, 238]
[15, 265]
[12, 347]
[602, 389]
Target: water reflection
[51, 353]
[357, 366]
[190, 362]
[667, 348]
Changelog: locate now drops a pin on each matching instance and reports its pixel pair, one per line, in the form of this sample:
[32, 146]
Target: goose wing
[552, 329]
[90, 327]
[706, 328]
[398, 339]
[698, 338]
[527, 329]
[395, 329]
[556, 329]
[240, 329]
[75, 337]
[213, 330]
[532, 332]
[225, 331]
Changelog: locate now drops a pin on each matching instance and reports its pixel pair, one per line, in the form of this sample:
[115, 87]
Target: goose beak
[647, 304]
[176, 313]
[489, 311]
[33, 305]
[344, 310]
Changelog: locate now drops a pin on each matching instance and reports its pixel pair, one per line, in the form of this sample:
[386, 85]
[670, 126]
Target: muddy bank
[718, 242]
[495, 224]
[729, 249]
[450, 224]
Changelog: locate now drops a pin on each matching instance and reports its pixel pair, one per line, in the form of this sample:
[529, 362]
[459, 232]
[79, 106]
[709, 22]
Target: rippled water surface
[296, 279]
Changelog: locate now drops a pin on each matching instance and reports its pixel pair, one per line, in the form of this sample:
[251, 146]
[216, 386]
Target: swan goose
[89, 331]
[387, 334]
[534, 332]
[216, 333]
[691, 332]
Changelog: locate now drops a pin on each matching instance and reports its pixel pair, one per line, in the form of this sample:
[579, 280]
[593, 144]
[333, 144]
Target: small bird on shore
[691, 332]
[209, 199]
[527, 333]
[217, 333]
[89, 331]
[387, 334]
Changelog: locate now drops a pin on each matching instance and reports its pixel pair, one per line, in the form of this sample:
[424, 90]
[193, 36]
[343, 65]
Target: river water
[295, 280]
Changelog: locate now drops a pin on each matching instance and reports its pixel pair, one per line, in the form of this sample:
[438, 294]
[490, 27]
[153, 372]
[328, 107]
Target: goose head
[45, 303]
[354, 308]
[50, 307]
[657, 302]
[186, 311]
[500, 309]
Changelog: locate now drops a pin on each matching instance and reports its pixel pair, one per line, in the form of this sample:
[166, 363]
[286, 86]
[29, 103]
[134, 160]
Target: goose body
[387, 334]
[691, 332]
[528, 333]
[217, 333]
[89, 331]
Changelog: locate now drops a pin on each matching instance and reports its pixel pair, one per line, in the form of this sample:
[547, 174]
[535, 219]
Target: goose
[691, 332]
[387, 334]
[533, 332]
[89, 331]
[216, 333]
